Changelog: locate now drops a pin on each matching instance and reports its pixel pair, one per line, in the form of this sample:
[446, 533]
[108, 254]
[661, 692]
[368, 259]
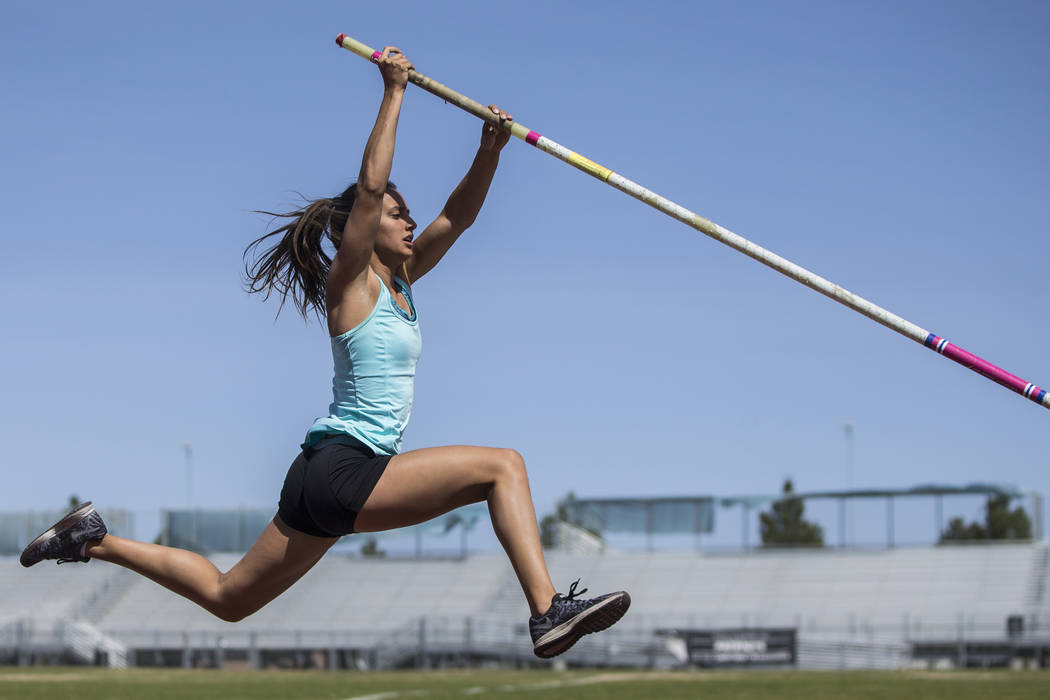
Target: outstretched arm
[463, 204]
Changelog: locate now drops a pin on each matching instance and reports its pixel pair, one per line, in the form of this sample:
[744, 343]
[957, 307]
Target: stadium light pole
[940, 516]
[187, 450]
[846, 513]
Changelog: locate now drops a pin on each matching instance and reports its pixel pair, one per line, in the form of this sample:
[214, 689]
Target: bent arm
[463, 204]
[459, 213]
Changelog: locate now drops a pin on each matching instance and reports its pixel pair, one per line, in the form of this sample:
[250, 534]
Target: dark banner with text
[745, 646]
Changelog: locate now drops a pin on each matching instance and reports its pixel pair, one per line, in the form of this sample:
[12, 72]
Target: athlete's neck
[385, 272]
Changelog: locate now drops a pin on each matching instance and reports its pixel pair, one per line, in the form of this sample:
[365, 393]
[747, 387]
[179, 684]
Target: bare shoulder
[349, 298]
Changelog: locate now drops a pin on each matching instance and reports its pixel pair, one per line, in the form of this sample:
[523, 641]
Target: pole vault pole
[719, 233]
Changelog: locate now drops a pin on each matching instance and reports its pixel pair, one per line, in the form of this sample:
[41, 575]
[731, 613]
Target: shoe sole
[594, 619]
[64, 524]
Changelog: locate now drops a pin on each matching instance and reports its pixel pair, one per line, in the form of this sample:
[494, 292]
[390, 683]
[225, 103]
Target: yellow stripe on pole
[589, 166]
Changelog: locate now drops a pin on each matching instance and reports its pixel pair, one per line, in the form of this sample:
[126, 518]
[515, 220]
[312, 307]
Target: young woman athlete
[350, 476]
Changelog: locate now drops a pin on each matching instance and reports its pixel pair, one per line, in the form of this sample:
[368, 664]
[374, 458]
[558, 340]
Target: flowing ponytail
[297, 264]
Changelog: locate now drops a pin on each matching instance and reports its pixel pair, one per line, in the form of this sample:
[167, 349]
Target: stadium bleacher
[48, 591]
[338, 593]
[851, 608]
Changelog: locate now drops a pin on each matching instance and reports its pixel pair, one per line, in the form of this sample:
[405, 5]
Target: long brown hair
[297, 263]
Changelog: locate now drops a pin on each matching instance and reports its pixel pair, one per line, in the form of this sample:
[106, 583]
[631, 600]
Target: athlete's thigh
[422, 484]
[278, 559]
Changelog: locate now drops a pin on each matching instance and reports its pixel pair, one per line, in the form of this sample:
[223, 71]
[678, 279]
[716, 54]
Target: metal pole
[649, 526]
[697, 524]
[747, 527]
[889, 521]
[719, 233]
[848, 428]
[940, 517]
[187, 450]
[842, 522]
[254, 655]
[1037, 516]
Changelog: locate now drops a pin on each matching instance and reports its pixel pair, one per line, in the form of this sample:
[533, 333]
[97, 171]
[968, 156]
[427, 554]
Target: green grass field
[92, 684]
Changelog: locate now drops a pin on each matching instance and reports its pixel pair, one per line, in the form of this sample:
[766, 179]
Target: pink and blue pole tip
[983, 367]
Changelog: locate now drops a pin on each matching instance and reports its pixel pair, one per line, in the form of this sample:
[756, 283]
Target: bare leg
[278, 559]
[423, 484]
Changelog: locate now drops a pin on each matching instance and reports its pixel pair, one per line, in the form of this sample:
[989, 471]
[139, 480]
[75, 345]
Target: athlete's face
[395, 227]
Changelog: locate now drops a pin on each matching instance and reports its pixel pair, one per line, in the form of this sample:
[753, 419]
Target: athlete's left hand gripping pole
[723, 235]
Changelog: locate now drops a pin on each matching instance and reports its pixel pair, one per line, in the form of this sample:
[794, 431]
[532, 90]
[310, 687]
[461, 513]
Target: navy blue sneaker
[568, 619]
[64, 541]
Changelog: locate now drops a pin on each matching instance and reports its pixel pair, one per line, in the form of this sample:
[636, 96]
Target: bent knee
[228, 614]
[510, 465]
[230, 607]
[231, 611]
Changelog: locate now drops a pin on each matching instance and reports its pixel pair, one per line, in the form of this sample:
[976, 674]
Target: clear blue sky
[900, 149]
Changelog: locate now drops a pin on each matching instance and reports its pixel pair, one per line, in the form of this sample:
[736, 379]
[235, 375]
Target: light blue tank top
[375, 367]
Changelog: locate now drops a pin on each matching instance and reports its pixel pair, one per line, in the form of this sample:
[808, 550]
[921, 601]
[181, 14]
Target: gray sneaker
[568, 619]
[63, 541]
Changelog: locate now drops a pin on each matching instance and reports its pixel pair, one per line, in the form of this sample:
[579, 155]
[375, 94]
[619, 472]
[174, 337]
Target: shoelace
[573, 592]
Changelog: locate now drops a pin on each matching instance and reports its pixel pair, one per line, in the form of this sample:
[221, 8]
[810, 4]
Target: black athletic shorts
[327, 486]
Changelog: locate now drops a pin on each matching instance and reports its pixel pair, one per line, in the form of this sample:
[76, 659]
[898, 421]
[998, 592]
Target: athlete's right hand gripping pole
[724, 235]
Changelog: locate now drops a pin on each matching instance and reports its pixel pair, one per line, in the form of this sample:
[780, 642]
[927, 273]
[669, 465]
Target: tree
[784, 524]
[1006, 524]
[1000, 523]
[959, 531]
[370, 548]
